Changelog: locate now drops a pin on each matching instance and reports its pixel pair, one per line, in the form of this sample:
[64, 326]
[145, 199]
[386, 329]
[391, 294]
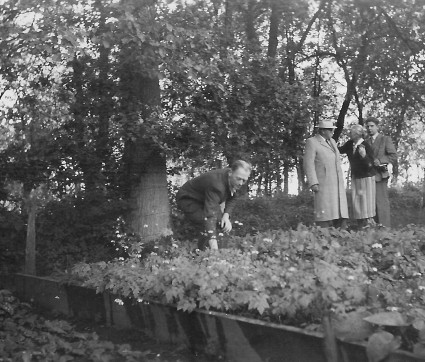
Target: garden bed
[232, 337]
[367, 286]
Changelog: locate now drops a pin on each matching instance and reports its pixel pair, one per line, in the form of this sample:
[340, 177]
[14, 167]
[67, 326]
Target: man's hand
[213, 244]
[225, 223]
[315, 188]
[376, 162]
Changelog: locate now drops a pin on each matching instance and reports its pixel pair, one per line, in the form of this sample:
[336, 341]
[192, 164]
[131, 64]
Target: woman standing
[363, 185]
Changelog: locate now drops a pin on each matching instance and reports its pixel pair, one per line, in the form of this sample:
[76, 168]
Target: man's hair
[241, 164]
[372, 119]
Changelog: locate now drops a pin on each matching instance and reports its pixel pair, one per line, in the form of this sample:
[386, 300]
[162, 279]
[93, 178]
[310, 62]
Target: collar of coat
[322, 141]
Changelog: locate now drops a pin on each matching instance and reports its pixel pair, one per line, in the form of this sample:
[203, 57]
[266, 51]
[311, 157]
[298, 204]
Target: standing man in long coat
[322, 165]
[384, 153]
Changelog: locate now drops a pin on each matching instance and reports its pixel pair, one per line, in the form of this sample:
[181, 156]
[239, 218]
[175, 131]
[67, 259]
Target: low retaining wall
[236, 338]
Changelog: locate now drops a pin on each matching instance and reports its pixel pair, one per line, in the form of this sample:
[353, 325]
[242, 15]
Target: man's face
[372, 128]
[238, 178]
[327, 133]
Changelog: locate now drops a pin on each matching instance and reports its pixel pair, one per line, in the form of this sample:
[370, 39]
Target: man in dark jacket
[200, 199]
[384, 153]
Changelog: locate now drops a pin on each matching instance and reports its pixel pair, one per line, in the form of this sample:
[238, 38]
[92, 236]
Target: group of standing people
[369, 156]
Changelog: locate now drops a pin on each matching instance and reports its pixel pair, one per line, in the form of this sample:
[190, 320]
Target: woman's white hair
[357, 128]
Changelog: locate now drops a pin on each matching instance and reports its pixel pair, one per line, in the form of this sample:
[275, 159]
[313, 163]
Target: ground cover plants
[30, 334]
[371, 278]
[27, 336]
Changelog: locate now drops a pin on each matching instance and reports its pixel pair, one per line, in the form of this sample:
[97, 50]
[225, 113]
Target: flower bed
[372, 279]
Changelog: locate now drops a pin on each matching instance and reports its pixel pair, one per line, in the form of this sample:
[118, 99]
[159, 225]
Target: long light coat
[322, 165]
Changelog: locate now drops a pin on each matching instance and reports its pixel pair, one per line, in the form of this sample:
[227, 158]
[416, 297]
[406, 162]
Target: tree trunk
[286, 169]
[30, 245]
[149, 214]
[227, 32]
[145, 166]
[259, 183]
[275, 17]
[79, 111]
[300, 175]
[146, 174]
[104, 103]
[252, 38]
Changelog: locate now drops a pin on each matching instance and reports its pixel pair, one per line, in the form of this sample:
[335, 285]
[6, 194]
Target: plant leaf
[394, 319]
[380, 345]
[352, 326]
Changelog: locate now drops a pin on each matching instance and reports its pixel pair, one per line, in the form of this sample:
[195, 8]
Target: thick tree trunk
[149, 213]
[145, 166]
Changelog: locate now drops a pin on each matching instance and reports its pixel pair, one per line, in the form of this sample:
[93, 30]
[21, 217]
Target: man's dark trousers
[194, 212]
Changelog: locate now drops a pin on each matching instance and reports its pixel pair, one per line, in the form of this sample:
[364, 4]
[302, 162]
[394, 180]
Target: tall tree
[144, 162]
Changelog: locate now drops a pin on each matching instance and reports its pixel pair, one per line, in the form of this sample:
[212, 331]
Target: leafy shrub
[272, 213]
[285, 271]
[12, 241]
[27, 336]
[73, 230]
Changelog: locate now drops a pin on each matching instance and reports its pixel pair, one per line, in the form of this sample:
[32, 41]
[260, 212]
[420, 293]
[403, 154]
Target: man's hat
[326, 124]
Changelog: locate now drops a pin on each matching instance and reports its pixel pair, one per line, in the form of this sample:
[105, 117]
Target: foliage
[259, 214]
[28, 336]
[12, 235]
[292, 277]
[90, 230]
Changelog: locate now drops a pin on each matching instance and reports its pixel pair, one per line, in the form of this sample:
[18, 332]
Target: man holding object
[384, 153]
[200, 200]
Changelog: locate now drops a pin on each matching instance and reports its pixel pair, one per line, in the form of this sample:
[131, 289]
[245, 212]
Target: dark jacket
[211, 188]
[383, 149]
[360, 167]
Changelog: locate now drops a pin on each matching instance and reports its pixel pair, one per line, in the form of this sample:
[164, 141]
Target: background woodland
[105, 103]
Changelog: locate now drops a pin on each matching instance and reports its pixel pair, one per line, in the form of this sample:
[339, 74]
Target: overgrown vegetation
[28, 336]
[79, 230]
[28, 333]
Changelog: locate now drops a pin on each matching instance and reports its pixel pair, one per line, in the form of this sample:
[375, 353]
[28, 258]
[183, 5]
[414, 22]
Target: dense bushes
[73, 230]
[271, 213]
[68, 231]
[284, 212]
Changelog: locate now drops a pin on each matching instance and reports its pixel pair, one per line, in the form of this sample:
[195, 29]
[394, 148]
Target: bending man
[200, 199]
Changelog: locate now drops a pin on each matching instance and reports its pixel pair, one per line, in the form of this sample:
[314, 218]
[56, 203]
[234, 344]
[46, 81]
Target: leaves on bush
[352, 326]
[394, 319]
[380, 345]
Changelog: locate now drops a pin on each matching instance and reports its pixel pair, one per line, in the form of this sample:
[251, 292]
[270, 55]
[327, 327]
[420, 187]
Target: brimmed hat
[326, 124]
